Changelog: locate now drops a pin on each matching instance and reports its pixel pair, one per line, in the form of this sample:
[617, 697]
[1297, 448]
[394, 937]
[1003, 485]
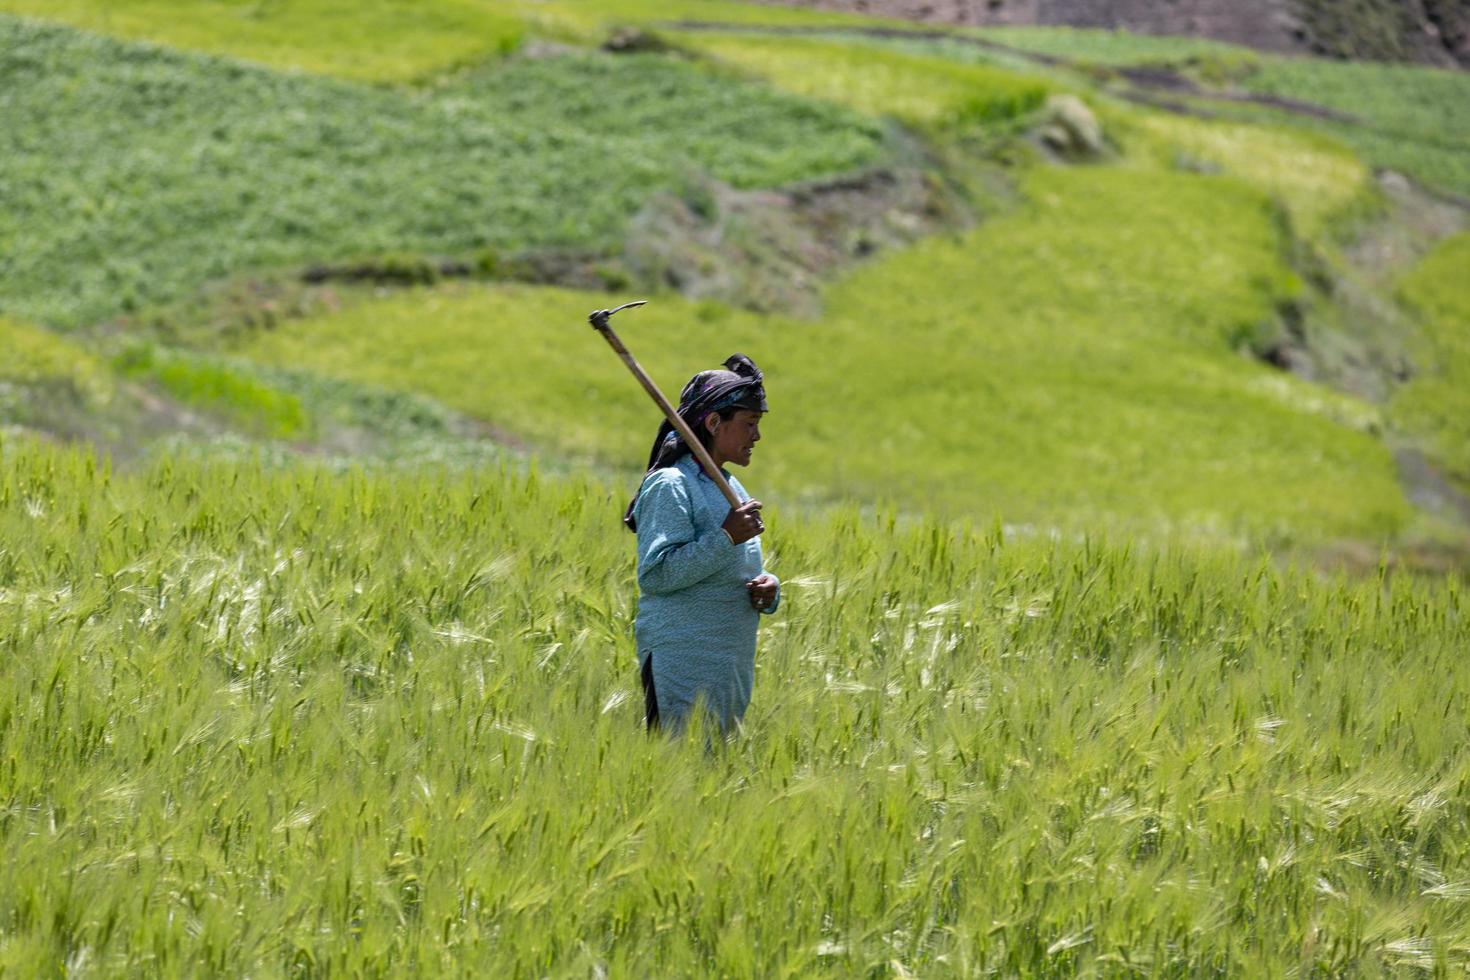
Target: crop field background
[1412, 119]
[380, 40]
[1118, 475]
[179, 170]
[1104, 407]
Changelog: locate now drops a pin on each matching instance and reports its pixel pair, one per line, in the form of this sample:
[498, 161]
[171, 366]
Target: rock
[1071, 130]
[1393, 182]
[633, 40]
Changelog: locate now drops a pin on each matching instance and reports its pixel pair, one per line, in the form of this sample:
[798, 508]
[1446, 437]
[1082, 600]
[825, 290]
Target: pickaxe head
[599, 318]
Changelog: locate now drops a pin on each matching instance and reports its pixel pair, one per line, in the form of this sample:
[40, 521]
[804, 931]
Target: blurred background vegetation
[1070, 278]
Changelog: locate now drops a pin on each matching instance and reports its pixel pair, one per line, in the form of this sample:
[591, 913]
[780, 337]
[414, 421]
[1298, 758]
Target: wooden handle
[599, 320]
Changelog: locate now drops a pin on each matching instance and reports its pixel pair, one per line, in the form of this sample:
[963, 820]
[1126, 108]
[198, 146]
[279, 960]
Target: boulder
[1071, 130]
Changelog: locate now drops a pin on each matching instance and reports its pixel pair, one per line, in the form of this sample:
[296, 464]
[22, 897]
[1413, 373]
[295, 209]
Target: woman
[702, 586]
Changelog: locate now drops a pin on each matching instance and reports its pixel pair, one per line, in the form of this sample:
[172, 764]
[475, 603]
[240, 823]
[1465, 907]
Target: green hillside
[139, 174]
[923, 92]
[1115, 299]
[1436, 403]
[1409, 118]
[51, 385]
[367, 41]
[377, 40]
[34, 356]
[1117, 355]
[1412, 119]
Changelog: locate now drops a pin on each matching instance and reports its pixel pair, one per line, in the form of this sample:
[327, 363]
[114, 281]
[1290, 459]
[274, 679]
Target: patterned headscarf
[740, 385]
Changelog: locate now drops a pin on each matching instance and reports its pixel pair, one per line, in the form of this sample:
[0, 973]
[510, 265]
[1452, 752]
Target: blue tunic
[694, 611]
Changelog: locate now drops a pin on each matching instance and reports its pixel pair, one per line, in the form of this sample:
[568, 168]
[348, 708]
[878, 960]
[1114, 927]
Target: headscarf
[740, 385]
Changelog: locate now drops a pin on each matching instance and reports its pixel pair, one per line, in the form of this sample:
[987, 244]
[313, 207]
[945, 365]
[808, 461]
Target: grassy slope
[1414, 119]
[927, 93]
[48, 383]
[1105, 420]
[374, 40]
[1084, 380]
[33, 355]
[281, 721]
[1413, 114]
[366, 40]
[1107, 307]
[135, 174]
[1113, 48]
[1411, 118]
[591, 21]
[1409, 113]
[250, 406]
[1315, 177]
[1436, 403]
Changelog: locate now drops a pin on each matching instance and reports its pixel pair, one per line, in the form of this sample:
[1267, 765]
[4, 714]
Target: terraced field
[1411, 119]
[1124, 402]
[139, 174]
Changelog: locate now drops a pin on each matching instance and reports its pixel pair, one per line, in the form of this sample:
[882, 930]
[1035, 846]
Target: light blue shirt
[694, 613]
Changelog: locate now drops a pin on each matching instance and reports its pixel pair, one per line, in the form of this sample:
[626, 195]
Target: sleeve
[671, 556]
[776, 602]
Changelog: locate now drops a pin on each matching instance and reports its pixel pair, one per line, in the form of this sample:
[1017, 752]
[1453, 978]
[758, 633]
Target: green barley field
[299, 722]
[1121, 497]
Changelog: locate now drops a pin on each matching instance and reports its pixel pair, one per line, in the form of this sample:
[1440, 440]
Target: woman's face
[735, 437]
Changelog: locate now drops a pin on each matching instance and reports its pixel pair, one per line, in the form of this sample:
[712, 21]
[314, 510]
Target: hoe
[599, 319]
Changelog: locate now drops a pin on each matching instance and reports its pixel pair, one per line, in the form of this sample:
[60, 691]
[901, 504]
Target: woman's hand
[744, 522]
[762, 591]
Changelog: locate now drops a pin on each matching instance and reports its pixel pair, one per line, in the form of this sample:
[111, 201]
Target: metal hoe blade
[599, 318]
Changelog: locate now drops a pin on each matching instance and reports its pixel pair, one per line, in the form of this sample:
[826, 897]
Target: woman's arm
[671, 555]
